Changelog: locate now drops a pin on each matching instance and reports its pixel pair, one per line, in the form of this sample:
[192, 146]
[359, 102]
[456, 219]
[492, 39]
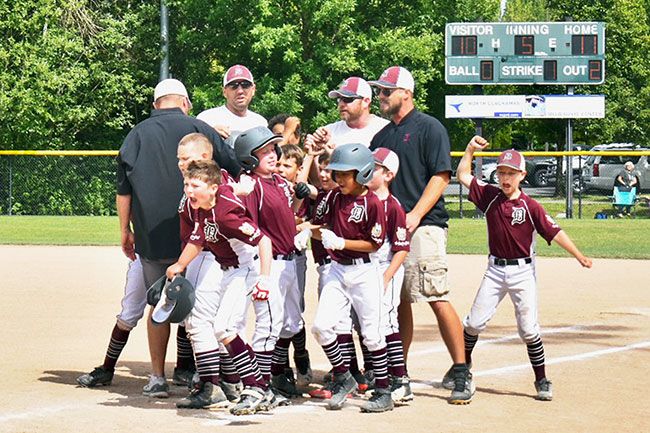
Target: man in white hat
[149, 189]
[234, 115]
[357, 124]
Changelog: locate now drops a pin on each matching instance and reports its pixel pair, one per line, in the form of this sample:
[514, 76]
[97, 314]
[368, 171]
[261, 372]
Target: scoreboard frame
[525, 53]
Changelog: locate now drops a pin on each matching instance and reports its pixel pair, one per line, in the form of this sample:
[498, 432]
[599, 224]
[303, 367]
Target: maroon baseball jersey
[317, 249]
[227, 230]
[270, 208]
[511, 224]
[353, 217]
[397, 237]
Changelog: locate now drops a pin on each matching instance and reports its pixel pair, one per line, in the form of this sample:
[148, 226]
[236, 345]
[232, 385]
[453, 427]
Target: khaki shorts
[425, 276]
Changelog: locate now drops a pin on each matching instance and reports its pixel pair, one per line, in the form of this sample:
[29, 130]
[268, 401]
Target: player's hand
[245, 185]
[301, 239]
[477, 143]
[412, 221]
[331, 241]
[585, 261]
[311, 147]
[128, 244]
[174, 270]
[322, 135]
[223, 131]
[301, 190]
[261, 289]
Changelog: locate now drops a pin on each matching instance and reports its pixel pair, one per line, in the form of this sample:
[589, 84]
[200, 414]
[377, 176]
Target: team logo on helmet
[211, 231]
[357, 214]
[518, 215]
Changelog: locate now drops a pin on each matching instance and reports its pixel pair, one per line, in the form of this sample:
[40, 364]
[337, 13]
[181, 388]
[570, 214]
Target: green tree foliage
[71, 71]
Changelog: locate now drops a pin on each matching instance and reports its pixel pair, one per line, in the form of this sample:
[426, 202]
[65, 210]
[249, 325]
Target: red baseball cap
[386, 158]
[395, 77]
[513, 159]
[352, 87]
[237, 72]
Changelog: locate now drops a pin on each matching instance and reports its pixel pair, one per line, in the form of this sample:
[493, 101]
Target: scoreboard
[525, 53]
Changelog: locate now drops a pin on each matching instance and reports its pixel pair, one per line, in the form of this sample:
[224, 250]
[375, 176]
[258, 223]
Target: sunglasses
[243, 84]
[383, 91]
[347, 100]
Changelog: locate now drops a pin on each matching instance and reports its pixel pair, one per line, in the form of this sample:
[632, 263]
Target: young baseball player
[289, 166]
[280, 318]
[391, 257]
[352, 226]
[224, 226]
[512, 219]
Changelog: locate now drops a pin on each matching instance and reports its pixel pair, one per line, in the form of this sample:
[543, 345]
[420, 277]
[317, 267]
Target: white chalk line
[309, 406]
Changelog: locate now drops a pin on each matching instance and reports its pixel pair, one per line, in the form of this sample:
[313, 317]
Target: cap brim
[505, 164]
[381, 83]
[342, 93]
[238, 79]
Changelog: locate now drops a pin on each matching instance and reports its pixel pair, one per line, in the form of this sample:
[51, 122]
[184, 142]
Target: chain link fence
[57, 185]
[83, 183]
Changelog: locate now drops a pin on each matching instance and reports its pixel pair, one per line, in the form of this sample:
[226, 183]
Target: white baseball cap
[237, 72]
[386, 158]
[513, 159]
[170, 86]
[352, 87]
[395, 77]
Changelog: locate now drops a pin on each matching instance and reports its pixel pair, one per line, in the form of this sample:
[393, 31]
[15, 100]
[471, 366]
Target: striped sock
[333, 352]
[280, 356]
[119, 337]
[299, 342]
[470, 342]
[184, 352]
[246, 365]
[346, 345]
[396, 364]
[536, 356]
[380, 367]
[228, 371]
[207, 365]
[258, 373]
[264, 361]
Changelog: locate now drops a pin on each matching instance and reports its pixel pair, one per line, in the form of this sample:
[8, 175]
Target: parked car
[600, 171]
[489, 170]
[541, 171]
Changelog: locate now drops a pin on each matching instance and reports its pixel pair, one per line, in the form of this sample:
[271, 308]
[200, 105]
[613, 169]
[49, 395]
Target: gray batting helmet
[251, 140]
[353, 156]
[175, 303]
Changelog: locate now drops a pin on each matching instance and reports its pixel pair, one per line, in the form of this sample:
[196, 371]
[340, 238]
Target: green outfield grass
[613, 238]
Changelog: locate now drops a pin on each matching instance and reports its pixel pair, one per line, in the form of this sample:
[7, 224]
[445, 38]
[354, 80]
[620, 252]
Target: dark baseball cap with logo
[513, 159]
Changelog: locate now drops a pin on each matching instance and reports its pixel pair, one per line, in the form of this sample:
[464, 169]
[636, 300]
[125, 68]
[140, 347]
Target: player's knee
[322, 334]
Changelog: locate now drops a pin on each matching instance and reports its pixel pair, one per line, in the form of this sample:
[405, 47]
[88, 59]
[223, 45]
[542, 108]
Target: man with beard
[422, 145]
[357, 125]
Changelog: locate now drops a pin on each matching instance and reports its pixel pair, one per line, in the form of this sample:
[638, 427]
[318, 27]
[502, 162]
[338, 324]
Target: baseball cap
[170, 86]
[386, 158]
[237, 72]
[395, 77]
[513, 159]
[351, 87]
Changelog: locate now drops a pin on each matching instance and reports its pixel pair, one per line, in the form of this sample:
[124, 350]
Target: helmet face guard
[353, 156]
[251, 140]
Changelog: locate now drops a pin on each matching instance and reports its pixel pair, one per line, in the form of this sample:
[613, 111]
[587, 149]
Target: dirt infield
[60, 303]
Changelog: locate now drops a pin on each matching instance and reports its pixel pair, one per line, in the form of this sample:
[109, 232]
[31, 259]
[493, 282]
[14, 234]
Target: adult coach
[423, 147]
[357, 124]
[238, 89]
[149, 188]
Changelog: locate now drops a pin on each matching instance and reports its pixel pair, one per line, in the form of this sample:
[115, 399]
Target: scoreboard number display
[566, 53]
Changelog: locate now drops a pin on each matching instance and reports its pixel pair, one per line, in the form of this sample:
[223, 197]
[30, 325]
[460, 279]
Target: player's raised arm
[464, 171]
[563, 240]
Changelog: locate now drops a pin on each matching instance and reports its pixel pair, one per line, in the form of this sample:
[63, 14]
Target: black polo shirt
[148, 171]
[422, 145]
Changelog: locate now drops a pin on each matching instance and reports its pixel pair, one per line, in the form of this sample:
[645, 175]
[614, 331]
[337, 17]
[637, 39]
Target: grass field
[611, 238]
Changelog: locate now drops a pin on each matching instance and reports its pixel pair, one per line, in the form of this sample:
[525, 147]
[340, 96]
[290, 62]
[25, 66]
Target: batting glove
[245, 185]
[261, 289]
[331, 241]
[301, 239]
[302, 190]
